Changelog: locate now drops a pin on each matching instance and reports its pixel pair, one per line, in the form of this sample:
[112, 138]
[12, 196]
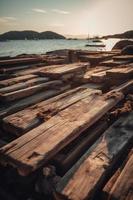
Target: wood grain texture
[93, 170]
[30, 150]
[123, 187]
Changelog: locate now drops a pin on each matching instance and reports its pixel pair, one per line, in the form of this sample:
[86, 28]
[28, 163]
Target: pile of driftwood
[66, 126]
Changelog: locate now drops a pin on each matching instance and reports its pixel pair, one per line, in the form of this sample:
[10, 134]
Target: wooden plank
[12, 81]
[10, 70]
[91, 71]
[24, 84]
[99, 77]
[20, 61]
[64, 69]
[29, 151]
[112, 63]
[30, 117]
[19, 94]
[28, 101]
[35, 71]
[66, 158]
[123, 188]
[124, 72]
[123, 57]
[89, 176]
[109, 185]
[95, 59]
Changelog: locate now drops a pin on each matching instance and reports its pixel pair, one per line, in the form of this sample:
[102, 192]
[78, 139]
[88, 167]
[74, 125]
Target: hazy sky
[68, 17]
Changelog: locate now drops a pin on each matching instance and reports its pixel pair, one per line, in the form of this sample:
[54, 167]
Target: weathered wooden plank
[92, 172]
[95, 59]
[119, 73]
[123, 188]
[69, 155]
[91, 71]
[109, 185]
[99, 77]
[29, 118]
[24, 84]
[112, 63]
[12, 81]
[10, 70]
[36, 70]
[20, 61]
[28, 101]
[123, 57]
[64, 69]
[19, 94]
[30, 151]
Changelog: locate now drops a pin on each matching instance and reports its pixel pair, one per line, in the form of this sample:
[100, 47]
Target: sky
[67, 17]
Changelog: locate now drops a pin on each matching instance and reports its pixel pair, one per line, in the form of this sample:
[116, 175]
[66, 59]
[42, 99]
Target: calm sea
[13, 48]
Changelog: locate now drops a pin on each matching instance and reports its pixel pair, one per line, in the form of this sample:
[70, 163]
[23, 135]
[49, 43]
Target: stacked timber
[124, 58]
[66, 126]
[19, 61]
[123, 187]
[95, 59]
[58, 131]
[91, 171]
[31, 117]
[65, 72]
[11, 94]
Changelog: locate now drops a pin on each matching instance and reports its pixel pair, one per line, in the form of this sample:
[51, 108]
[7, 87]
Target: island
[127, 35]
[30, 35]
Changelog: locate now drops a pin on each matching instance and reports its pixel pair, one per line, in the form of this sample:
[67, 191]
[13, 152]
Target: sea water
[13, 48]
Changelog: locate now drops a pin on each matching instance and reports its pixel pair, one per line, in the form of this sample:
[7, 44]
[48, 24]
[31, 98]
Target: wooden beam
[64, 69]
[31, 100]
[124, 57]
[90, 174]
[19, 94]
[12, 81]
[20, 61]
[24, 84]
[112, 63]
[119, 73]
[29, 152]
[66, 158]
[30, 117]
[123, 187]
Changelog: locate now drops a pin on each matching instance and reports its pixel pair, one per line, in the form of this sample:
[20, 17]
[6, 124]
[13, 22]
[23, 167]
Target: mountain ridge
[30, 35]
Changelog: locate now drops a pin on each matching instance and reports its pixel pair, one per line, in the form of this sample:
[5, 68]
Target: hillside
[29, 35]
[127, 34]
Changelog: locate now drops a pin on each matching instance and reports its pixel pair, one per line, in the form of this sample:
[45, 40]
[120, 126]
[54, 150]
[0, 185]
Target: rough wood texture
[124, 57]
[95, 59]
[69, 155]
[64, 69]
[99, 77]
[93, 171]
[28, 101]
[24, 84]
[109, 185]
[20, 61]
[11, 69]
[112, 63]
[35, 70]
[119, 73]
[19, 94]
[30, 151]
[91, 71]
[123, 188]
[29, 118]
[12, 81]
